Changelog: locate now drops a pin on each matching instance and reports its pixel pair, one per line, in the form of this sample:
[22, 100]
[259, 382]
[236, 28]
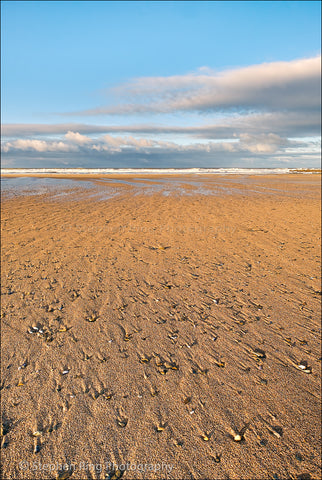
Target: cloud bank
[75, 142]
[287, 124]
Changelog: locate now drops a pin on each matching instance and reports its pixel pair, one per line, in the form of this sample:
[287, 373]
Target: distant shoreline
[9, 172]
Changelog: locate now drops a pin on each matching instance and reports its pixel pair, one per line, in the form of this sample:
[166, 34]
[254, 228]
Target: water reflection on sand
[101, 188]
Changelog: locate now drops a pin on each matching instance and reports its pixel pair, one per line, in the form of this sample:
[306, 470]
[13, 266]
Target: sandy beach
[162, 328]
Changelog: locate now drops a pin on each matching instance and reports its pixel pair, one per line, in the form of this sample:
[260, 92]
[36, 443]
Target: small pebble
[303, 366]
[122, 422]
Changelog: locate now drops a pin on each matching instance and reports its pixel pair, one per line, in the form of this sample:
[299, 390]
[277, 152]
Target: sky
[160, 84]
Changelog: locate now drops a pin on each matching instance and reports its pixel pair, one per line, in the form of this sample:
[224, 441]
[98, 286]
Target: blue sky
[160, 84]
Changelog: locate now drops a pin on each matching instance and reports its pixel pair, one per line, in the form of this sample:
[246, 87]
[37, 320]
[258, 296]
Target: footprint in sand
[102, 358]
[160, 427]
[126, 335]
[85, 386]
[65, 406]
[238, 436]
[121, 420]
[217, 457]
[92, 317]
[144, 358]
[196, 369]
[98, 390]
[153, 391]
[53, 426]
[178, 442]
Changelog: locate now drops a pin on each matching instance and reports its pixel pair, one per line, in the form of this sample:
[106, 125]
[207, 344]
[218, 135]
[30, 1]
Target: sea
[156, 171]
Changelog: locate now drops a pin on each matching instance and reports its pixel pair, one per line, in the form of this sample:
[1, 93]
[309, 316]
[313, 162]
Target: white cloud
[37, 146]
[77, 138]
[262, 143]
[272, 86]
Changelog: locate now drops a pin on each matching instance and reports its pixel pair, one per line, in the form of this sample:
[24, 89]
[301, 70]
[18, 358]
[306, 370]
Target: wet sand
[176, 335]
